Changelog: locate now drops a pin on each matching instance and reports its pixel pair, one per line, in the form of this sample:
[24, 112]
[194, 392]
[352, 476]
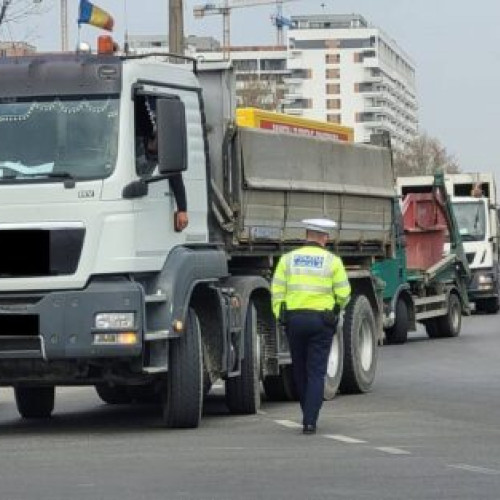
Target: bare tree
[259, 92]
[424, 155]
[16, 11]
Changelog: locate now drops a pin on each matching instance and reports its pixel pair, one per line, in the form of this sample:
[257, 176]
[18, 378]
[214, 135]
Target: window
[332, 58]
[333, 104]
[333, 73]
[273, 64]
[245, 65]
[333, 88]
[333, 118]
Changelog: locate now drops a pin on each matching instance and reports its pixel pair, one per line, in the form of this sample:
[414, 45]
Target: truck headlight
[485, 279]
[115, 321]
[122, 338]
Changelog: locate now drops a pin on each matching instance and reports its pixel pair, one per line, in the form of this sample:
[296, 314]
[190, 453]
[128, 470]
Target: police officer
[309, 289]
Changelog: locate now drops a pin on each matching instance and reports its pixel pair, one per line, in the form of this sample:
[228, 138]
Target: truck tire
[450, 324]
[182, 398]
[489, 306]
[35, 402]
[432, 328]
[274, 388]
[113, 394]
[243, 392]
[335, 367]
[281, 387]
[360, 347]
[398, 333]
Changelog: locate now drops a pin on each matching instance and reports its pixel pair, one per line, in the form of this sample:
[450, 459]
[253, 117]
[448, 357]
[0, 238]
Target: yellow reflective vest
[310, 278]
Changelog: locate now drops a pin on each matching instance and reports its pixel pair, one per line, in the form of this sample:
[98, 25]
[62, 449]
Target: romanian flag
[90, 14]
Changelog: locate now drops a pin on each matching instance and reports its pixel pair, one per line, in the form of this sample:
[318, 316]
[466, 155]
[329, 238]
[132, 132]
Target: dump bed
[264, 183]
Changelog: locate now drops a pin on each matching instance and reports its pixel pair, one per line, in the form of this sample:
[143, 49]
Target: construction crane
[280, 22]
[225, 8]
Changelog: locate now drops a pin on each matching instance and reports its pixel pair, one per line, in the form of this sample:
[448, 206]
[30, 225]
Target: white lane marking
[392, 451]
[344, 439]
[218, 386]
[261, 412]
[473, 468]
[288, 423]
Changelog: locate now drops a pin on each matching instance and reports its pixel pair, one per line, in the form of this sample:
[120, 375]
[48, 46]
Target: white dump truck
[97, 288]
[475, 205]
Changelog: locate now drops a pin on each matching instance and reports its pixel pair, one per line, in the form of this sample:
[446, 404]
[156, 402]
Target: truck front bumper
[62, 325]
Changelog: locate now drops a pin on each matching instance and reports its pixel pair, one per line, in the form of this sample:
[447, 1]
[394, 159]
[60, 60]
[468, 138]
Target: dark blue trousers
[310, 341]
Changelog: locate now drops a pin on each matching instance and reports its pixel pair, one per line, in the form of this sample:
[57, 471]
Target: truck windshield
[471, 219]
[58, 138]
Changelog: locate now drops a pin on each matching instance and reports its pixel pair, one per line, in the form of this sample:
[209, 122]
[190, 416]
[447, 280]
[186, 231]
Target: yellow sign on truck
[279, 122]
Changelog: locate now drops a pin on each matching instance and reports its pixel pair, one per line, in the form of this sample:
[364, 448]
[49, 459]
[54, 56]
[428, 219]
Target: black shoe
[309, 429]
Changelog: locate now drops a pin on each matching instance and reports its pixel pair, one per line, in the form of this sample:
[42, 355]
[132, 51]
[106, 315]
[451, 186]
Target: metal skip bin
[425, 229]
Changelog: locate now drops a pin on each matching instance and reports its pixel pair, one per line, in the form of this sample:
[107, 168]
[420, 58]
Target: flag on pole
[95, 16]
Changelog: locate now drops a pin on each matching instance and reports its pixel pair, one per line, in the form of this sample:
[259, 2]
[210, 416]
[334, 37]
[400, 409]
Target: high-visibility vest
[310, 278]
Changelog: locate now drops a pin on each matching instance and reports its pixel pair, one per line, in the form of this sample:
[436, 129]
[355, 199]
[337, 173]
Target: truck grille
[40, 252]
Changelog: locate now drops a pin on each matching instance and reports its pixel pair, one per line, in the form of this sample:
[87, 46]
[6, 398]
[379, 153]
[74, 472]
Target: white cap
[319, 225]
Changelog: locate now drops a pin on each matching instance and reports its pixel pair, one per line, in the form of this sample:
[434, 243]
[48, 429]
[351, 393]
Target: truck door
[155, 233]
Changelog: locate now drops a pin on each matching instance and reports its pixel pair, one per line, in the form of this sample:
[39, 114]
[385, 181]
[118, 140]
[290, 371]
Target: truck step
[160, 335]
[156, 298]
[152, 370]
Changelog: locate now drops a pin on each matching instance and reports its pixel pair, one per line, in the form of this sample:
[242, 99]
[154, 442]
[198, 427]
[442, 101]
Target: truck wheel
[281, 387]
[489, 306]
[398, 333]
[35, 402]
[274, 388]
[113, 394]
[432, 328]
[450, 324]
[335, 367]
[289, 382]
[243, 392]
[360, 347]
[182, 398]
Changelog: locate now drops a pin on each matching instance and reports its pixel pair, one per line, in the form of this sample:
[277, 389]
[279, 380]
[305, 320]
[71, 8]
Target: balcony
[293, 96]
[293, 111]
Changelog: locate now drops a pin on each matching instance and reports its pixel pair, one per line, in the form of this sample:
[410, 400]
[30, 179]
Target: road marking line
[261, 412]
[289, 424]
[218, 386]
[344, 439]
[473, 468]
[392, 451]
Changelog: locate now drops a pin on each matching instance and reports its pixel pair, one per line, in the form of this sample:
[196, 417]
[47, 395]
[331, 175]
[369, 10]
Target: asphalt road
[429, 430]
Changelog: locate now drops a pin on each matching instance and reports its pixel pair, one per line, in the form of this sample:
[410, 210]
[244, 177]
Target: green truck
[433, 291]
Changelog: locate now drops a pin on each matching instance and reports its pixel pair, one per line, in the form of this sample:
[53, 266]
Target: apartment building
[343, 70]
[16, 49]
[260, 74]
[260, 70]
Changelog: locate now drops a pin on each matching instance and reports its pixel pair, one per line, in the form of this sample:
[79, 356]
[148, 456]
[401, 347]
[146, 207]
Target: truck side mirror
[172, 140]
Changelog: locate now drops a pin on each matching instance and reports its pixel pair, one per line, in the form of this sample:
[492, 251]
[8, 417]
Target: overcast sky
[455, 45]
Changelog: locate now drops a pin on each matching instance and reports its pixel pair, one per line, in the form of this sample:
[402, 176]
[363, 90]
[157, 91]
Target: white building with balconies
[343, 70]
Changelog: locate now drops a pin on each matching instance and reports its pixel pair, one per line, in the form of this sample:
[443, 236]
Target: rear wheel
[182, 398]
[489, 306]
[35, 402]
[432, 328]
[450, 324]
[360, 347]
[243, 391]
[398, 333]
[335, 367]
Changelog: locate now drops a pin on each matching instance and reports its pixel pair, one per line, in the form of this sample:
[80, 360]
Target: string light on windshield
[58, 106]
